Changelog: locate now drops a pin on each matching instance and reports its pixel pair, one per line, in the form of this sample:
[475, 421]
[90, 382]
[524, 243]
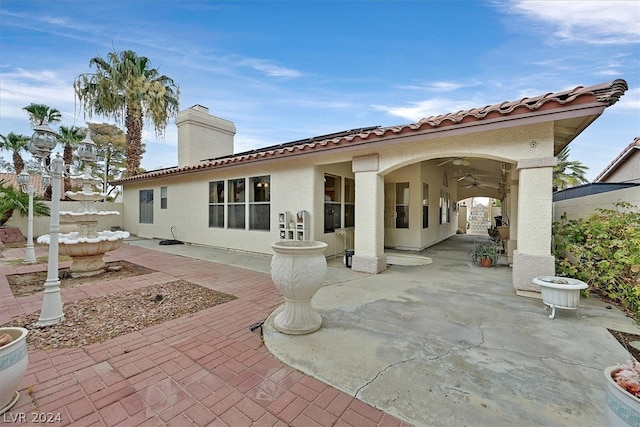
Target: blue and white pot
[13, 365]
[623, 409]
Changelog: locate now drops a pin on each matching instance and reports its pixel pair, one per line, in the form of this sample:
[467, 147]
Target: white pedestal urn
[298, 268]
[623, 409]
[560, 292]
[13, 365]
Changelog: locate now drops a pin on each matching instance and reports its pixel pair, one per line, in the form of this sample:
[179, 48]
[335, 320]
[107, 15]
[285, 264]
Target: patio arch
[517, 166]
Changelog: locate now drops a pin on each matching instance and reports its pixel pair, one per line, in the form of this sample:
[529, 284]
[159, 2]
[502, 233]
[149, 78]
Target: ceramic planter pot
[623, 409]
[560, 292]
[298, 268]
[13, 365]
[486, 262]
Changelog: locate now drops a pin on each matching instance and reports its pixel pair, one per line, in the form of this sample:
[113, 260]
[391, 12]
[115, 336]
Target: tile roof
[626, 153]
[605, 94]
[12, 179]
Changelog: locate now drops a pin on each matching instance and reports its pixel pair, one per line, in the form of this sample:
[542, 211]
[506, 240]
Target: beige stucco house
[392, 186]
[618, 182]
[625, 167]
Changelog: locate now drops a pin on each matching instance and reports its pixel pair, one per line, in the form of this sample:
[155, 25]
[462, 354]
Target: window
[259, 203]
[332, 203]
[349, 202]
[445, 201]
[163, 197]
[445, 207]
[146, 207]
[425, 205]
[216, 204]
[402, 205]
[236, 203]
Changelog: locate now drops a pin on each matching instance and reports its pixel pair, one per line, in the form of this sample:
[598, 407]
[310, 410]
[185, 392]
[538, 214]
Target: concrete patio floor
[434, 345]
[450, 344]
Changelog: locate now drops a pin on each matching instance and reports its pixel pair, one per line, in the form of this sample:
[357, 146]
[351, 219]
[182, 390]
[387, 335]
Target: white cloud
[268, 68]
[21, 87]
[630, 100]
[439, 86]
[427, 108]
[593, 22]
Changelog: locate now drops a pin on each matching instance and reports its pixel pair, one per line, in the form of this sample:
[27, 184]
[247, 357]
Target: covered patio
[450, 344]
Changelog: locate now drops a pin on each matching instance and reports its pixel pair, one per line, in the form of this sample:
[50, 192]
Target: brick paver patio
[207, 369]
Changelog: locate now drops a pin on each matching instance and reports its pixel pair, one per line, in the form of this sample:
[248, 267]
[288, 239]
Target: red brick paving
[207, 369]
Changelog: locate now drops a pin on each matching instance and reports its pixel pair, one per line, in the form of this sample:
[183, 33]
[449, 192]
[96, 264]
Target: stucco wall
[628, 171]
[581, 207]
[188, 206]
[297, 184]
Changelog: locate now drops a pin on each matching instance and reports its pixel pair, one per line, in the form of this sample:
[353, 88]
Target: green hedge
[603, 250]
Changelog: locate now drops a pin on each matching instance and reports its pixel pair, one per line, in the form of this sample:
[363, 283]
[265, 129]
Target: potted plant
[560, 292]
[13, 364]
[623, 393]
[484, 254]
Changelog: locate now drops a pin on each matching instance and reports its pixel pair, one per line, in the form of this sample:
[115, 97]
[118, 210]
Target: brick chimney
[202, 136]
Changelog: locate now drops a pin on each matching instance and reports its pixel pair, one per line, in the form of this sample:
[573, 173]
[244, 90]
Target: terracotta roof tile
[12, 179]
[605, 93]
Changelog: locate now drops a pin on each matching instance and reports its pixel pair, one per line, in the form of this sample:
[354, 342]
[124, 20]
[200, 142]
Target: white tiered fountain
[87, 246]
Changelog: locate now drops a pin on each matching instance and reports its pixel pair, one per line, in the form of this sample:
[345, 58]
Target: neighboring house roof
[602, 95]
[618, 161]
[590, 189]
[12, 179]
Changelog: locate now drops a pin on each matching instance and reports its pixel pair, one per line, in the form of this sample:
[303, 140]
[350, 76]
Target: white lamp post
[43, 141]
[25, 183]
[42, 144]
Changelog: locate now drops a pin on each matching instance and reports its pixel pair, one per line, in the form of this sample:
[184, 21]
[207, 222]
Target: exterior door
[389, 215]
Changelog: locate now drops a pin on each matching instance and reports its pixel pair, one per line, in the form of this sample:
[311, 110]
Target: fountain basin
[87, 253]
[85, 216]
[82, 196]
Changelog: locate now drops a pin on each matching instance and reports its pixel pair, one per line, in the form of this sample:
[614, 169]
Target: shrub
[603, 250]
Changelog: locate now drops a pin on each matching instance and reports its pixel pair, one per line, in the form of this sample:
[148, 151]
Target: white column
[535, 200]
[30, 253]
[369, 254]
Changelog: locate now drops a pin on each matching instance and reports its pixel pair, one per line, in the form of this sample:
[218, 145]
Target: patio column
[535, 201]
[369, 254]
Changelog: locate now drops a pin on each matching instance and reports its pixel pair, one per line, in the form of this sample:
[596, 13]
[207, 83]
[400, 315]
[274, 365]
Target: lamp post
[41, 145]
[43, 141]
[25, 184]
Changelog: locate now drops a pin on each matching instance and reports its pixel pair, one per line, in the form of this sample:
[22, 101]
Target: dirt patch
[94, 320]
[26, 284]
[625, 339]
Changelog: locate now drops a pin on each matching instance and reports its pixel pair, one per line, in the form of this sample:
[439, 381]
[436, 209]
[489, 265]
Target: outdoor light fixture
[87, 151]
[42, 143]
[25, 184]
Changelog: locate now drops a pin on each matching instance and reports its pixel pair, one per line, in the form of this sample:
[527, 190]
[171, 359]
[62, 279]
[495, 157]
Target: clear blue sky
[286, 70]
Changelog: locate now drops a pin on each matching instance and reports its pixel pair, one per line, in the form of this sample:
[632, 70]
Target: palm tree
[568, 173]
[70, 136]
[15, 143]
[125, 87]
[40, 113]
[12, 200]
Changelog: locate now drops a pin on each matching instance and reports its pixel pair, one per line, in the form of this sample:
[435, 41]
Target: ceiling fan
[469, 175]
[458, 161]
[477, 184]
